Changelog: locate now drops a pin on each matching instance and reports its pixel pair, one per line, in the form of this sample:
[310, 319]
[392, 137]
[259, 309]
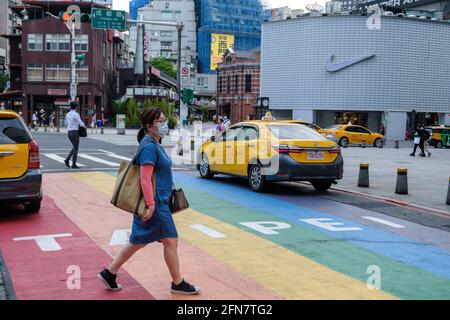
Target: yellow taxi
[20, 172]
[265, 151]
[440, 137]
[305, 123]
[352, 134]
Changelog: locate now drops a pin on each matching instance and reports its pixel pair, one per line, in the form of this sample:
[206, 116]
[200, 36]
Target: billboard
[219, 44]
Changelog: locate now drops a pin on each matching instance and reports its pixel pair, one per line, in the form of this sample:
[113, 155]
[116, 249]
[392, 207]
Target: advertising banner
[219, 44]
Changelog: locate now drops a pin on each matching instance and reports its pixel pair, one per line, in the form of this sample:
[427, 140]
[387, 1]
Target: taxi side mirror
[213, 138]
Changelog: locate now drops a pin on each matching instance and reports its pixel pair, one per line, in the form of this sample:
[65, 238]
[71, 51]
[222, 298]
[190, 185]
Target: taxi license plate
[315, 155]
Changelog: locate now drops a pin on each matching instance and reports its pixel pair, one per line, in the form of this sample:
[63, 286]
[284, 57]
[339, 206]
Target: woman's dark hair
[148, 116]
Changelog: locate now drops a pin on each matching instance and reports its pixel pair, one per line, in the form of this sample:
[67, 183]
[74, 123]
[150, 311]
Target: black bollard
[401, 186]
[396, 145]
[363, 179]
[448, 193]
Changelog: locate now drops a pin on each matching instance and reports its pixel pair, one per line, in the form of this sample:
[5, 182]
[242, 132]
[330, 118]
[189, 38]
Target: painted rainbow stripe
[301, 262]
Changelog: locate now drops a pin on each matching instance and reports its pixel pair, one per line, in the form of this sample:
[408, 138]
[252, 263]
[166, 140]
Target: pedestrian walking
[94, 123]
[219, 127]
[73, 123]
[226, 123]
[34, 121]
[41, 118]
[425, 138]
[52, 120]
[157, 224]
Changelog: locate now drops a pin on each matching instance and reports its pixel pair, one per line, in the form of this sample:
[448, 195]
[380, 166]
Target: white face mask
[162, 129]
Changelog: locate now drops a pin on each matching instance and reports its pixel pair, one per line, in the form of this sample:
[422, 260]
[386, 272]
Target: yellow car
[440, 137]
[351, 134]
[20, 174]
[264, 151]
[305, 123]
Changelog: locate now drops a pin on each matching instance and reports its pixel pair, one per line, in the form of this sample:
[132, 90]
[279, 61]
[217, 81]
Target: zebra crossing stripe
[113, 155]
[59, 159]
[95, 159]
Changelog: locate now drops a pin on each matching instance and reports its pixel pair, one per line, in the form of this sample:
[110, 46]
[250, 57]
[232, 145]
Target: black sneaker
[184, 288]
[109, 280]
[75, 167]
[67, 163]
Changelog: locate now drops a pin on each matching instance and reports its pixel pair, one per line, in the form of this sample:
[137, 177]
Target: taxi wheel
[33, 206]
[438, 145]
[378, 143]
[204, 171]
[321, 185]
[343, 142]
[256, 178]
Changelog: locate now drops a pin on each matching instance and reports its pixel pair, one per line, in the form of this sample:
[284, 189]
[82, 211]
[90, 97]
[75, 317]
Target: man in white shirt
[73, 123]
[226, 123]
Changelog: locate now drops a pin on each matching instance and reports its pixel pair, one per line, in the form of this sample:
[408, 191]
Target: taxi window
[12, 131]
[295, 132]
[248, 133]
[334, 128]
[232, 133]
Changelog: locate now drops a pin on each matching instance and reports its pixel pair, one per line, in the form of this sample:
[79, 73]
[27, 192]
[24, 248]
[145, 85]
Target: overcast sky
[293, 4]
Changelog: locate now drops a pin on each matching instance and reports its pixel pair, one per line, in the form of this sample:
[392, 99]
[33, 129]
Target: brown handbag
[178, 201]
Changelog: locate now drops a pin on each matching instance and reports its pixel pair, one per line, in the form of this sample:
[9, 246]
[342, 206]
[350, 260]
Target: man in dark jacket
[424, 139]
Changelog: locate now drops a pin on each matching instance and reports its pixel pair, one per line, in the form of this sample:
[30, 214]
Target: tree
[165, 66]
[4, 78]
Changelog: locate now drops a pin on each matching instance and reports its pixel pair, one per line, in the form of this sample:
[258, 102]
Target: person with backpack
[157, 225]
[417, 139]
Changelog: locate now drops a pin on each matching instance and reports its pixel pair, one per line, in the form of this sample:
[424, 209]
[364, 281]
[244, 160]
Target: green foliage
[133, 113]
[205, 113]
[4, 78]
[172, 122]
[165, 66]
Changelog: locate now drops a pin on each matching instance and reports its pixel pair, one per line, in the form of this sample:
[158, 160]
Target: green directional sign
[108, 19]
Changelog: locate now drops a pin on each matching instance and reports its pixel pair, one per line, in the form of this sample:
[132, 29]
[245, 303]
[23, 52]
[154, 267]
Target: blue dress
[161, 224]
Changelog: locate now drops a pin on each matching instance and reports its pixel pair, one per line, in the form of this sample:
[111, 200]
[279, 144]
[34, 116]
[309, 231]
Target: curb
[394, 201]
[6, 286]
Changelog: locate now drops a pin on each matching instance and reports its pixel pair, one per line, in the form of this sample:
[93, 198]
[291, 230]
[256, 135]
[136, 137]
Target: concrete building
[333, 7]
[8, 24]
[162, 41]
[334, 69]
[282, 13]
[238, 80]
[40, 62]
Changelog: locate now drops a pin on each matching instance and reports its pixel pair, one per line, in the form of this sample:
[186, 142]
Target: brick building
[40, 62]
[238, 79]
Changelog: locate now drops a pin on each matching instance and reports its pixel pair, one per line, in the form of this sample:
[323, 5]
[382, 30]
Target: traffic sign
[185, 72]
[108, 19]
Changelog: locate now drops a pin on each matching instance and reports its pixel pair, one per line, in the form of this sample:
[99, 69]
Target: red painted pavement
[39, 275]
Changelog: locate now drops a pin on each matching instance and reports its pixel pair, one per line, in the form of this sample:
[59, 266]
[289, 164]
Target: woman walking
[157, 224]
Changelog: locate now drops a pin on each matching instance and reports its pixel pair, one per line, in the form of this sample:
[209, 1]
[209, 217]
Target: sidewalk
[427, 177]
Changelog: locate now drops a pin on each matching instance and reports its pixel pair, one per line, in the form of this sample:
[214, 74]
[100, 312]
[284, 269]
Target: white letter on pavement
[374, 281]
[208, 231]
[330, 226]
[74, 281]
[46, 242]
[259, 226]
[120, 237]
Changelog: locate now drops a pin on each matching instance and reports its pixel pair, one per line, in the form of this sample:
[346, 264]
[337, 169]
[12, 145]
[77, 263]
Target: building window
[81, 42]
[229, 84]
[83, 74]
[236, 82]
[35, 42]
[166, 14]
[202, 82]
[166, 34]
[57, 72]
[104, 77]
[248, 83]
[57, 42]
[104, 50]
[35, 72]
[166, 45]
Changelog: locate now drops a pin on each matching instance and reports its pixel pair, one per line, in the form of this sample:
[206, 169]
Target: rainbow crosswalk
[237, 244]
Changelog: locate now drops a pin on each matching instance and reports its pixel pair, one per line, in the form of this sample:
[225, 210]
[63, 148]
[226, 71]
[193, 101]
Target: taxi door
[247, 148]
[231, 150]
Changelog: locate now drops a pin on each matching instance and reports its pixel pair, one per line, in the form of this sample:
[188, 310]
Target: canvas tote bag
[127, 193]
